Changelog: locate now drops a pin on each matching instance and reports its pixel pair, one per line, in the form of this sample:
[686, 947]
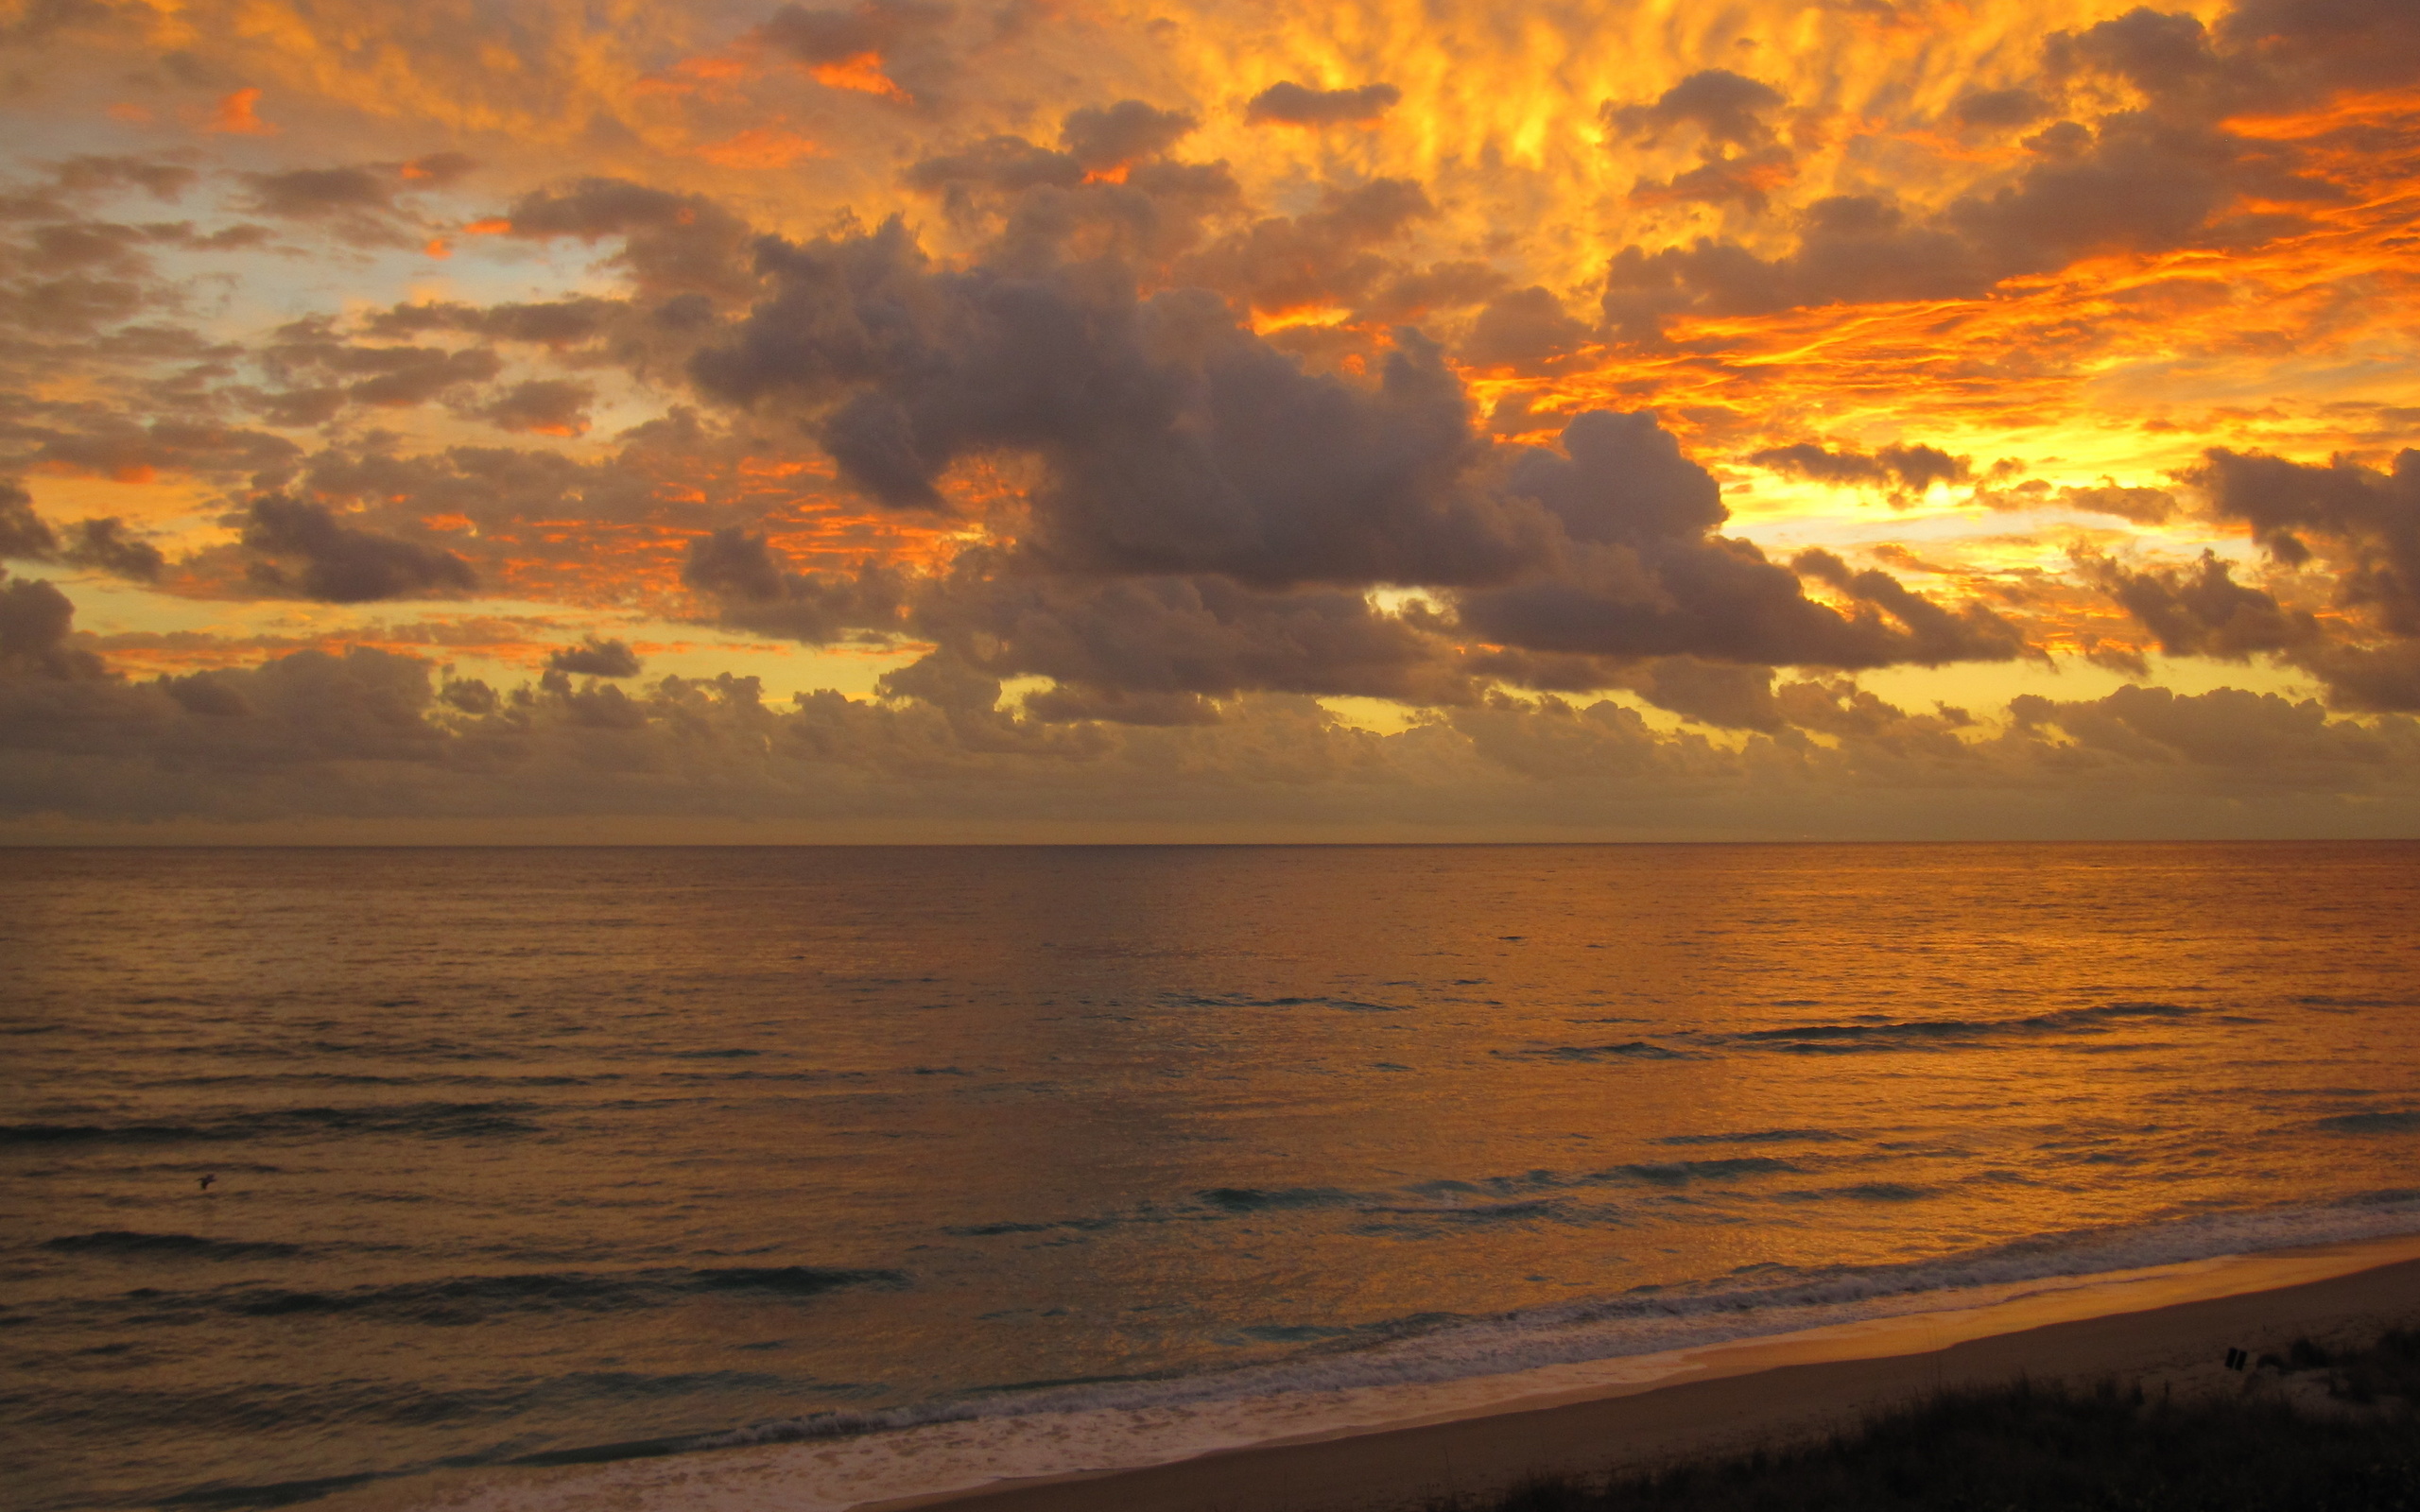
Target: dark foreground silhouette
[2310, 1432]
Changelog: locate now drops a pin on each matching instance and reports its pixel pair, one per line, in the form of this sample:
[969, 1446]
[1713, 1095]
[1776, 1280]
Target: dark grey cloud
[1175, 440]
[2363, 523]
[2202, 610]
[838, 35]
[104, 545]
[1726, 106]
[107, 546]
[495, 487]
[557, 407]
[341, 564]
[1851, 248]
[24, 535]
[1934, 635]
[672, 243]
[555, 323]
[594, 658]
[1646, 575]
[1912, 467]
[1175, 445]
[1100, 137]
[321, 370]
[2143, 505]
[1111, 193]
[753, 590]
[2167, 175]
[112, 445]
[1003, 165]
[1325, 256]
[1747, 178]
[2358, 525]
[2226, 727]
[906, 38]
[2001, 108]
[1295, 104]
[1161, 638]
[369, 735]
[35, 619]
[1711, 693]
[1527, 329]
[304, 193]
[90, 173]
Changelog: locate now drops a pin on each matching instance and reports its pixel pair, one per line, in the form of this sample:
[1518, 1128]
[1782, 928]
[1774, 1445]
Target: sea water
[326, 1167]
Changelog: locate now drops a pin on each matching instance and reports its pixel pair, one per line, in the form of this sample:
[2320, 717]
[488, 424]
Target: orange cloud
[862, 73]
[760, 147]
[238, 115]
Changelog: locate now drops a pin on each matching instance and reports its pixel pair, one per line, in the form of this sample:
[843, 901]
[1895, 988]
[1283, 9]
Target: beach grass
[2309, 1431]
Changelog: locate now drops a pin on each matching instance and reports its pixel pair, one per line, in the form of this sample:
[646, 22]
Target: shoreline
[2167, 1326]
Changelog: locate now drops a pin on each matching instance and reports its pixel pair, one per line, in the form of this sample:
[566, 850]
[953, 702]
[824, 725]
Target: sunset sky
[1188, 420]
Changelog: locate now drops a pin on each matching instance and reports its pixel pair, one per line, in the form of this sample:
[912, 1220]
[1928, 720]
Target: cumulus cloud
[1177, 445]
[24, 535]
[1175, 441]
[108, 546]
[105, 545]
[35, 619]
[366, 734]
[341, 564]
[2364, 523]
[1644, 572]
[594, 658]
[754, 590]
[2201, 610]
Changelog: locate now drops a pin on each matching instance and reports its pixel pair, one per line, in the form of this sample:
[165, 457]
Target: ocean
[327, 1168]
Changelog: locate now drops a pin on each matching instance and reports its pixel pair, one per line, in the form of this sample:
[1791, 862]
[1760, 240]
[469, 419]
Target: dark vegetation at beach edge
[2029, 1447]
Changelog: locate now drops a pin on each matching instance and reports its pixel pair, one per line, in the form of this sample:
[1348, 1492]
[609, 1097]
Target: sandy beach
[2168, 1328]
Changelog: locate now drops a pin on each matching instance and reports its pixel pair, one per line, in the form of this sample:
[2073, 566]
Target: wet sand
[2168, 1328]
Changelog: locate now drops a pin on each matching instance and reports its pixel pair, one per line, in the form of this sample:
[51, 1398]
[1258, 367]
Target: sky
[1203, 421]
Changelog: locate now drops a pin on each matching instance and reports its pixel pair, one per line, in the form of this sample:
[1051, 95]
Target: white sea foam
[836, 1461]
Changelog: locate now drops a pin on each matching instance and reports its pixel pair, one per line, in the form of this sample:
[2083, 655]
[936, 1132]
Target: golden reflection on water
[533, 1138]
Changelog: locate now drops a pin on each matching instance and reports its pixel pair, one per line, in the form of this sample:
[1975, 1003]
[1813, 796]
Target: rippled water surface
[561, 1152]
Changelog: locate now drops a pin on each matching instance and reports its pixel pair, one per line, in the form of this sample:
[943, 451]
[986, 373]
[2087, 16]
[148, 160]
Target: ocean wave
[456, 1301]
[1528, 1193]
[1243, 1000]
[130, 1244]
[1833, 1039]
[2376, 1123]
[1753, 1301]
[1630, 1050]
[425, 1120]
